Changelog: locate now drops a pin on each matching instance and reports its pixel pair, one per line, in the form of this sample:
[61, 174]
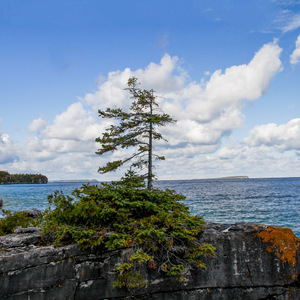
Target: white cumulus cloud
[37, 125]
[295, 56]
[76, 123]
[160, 77]
[210, 110]
[283, 137]
[72, 131]
[206, 111]
[9, 151]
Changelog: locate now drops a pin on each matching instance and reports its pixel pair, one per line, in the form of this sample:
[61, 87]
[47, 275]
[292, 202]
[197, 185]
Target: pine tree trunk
[149, 185]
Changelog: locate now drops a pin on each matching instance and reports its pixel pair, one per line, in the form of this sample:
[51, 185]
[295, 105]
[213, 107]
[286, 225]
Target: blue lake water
[273, 201]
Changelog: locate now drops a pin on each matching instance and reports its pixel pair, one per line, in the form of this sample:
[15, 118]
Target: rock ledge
[251, 262]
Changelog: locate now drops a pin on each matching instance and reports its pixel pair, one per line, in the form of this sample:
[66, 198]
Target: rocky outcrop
[33, 213]
[251, 262]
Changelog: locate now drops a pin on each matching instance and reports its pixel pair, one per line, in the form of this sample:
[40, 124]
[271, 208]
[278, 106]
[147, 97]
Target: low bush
[13, 220]
[155, 225]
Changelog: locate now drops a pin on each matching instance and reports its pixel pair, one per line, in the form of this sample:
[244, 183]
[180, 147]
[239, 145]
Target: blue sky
[227, 70]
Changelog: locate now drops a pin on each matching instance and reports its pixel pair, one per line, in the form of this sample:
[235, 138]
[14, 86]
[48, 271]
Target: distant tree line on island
[6, 178]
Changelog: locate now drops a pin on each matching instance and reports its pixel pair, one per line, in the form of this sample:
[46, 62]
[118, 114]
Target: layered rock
[251, 262]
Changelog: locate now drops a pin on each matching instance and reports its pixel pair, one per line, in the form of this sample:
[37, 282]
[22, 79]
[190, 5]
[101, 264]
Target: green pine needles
[155, 226]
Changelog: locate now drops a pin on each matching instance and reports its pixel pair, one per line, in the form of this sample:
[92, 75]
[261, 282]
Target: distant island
[6, 178]
[234, 177]
[75, 180]
[229, 177]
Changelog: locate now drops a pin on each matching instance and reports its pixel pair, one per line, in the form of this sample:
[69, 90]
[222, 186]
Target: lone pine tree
[137, 128]
[157, 228]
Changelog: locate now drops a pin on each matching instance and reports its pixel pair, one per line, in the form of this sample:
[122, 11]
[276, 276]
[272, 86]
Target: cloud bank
[199, 144]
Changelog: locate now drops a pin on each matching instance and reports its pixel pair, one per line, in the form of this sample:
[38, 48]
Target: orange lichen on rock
[282, 242]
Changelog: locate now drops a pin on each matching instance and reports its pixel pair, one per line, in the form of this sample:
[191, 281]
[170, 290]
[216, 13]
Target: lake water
[273, 201]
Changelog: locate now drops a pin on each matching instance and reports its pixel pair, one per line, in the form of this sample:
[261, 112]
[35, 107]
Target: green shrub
[155, 225]
[13, 220]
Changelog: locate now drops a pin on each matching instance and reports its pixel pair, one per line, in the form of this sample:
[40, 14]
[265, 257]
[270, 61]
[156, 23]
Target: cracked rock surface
[251, 262]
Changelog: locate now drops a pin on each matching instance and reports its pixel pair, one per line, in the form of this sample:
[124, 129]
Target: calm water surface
[273, 201]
